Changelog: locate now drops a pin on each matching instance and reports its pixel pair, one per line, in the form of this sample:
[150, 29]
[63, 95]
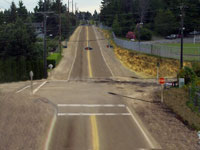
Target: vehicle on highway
[172, 36]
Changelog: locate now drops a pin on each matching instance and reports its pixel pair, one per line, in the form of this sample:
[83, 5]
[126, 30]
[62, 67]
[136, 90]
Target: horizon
[82, 5]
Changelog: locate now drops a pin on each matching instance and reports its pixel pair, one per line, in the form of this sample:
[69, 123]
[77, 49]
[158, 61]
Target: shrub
[188, 74]
[196, 68]
[130, 35]
[145, 34]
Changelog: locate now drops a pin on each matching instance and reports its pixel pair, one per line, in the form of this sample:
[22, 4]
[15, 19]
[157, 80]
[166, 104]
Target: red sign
[162, 80]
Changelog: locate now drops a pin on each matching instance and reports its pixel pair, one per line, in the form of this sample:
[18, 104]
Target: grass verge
[54, 59]
[177, 99]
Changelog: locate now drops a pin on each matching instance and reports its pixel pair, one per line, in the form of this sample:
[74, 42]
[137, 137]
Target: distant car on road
[194, 33]
[172, 36]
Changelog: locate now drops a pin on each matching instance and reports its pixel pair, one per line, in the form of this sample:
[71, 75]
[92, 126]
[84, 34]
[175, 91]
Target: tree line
[160, 17]
[20, 49]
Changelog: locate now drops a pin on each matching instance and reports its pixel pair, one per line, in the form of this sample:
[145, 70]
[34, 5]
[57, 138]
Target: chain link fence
[190, 54]
[194, 94]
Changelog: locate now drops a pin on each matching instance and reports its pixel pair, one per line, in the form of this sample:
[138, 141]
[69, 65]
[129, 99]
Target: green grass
[54, 56]
[188, 48]
[54, 59]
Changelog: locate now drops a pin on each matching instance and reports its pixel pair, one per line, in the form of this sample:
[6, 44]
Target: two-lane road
[89, 118]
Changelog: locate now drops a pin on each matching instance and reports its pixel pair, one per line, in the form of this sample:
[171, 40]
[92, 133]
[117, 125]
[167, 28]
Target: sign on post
[158, 66]
[31, 76]
[162, 82]
[50, 66]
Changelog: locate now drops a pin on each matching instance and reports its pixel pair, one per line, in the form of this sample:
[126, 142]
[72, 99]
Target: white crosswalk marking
[91, 105]
[94, 114]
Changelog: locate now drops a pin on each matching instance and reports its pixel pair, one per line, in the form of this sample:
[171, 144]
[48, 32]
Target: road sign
[162, 80]
[31, 74]
[50, 66]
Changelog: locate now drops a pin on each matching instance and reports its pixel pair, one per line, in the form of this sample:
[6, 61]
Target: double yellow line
[95, 135]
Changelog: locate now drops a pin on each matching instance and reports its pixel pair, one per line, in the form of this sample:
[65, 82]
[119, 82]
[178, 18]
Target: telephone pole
[44, 13]
[72, 6]
[182, 35]
[68, 5]
[45, 42]
[60, 30]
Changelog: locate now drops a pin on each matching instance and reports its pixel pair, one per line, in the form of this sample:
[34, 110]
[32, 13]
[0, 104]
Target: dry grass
[146, 65]
[24, 122]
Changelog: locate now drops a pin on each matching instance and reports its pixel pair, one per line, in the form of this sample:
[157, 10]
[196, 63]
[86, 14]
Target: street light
[140, 25]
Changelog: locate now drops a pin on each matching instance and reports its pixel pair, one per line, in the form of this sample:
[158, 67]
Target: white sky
[83, 5]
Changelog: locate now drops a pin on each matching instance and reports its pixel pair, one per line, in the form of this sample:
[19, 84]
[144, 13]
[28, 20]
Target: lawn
[188, 48]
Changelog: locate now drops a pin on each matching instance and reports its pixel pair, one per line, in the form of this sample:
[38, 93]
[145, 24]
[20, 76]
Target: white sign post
[158, 66]
[50, 67]
[31, 76]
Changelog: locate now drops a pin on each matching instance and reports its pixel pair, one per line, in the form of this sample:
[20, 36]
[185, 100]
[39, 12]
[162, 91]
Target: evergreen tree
[22, 11]
[165, 22]
[116, 26]
[13, 13]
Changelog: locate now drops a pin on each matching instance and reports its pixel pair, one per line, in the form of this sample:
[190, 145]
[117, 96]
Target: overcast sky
[83, 5]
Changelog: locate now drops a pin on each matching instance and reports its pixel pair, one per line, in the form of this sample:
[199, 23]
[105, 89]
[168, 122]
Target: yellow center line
[88, 56]
[95, 135]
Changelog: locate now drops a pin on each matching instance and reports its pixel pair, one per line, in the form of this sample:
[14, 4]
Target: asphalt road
[89, 116]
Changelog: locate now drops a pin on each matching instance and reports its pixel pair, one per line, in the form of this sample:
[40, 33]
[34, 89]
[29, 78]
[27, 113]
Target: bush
[196, 68]
[13, 69]
[130, 35]
[188, 74]
[54, 59]
[145, 34]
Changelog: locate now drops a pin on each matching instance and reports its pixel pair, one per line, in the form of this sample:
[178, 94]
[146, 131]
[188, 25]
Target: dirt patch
[146, 65]
[24, 122]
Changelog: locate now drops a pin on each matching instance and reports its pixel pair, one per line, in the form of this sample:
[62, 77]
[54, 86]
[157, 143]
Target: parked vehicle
[172, 36]
[194, 33]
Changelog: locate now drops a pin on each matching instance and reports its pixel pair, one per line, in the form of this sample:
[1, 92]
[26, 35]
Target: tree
[165, 22]
[116, 26]
[19, 40]
[13, 13]
[22, 11]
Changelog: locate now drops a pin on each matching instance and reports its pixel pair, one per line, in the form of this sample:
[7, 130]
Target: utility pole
[72, 6]
[45, 42]
[182, 29]
[60, 30]
[68, 6]
[75, 7]
[44, 13]
[140, 25]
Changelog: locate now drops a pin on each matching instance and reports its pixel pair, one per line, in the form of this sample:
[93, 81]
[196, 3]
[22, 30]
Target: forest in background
[20, 49]
[157, 16]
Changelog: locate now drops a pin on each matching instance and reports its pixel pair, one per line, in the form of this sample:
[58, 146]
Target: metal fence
[194, 94]
[193, 54]
[158, 49]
